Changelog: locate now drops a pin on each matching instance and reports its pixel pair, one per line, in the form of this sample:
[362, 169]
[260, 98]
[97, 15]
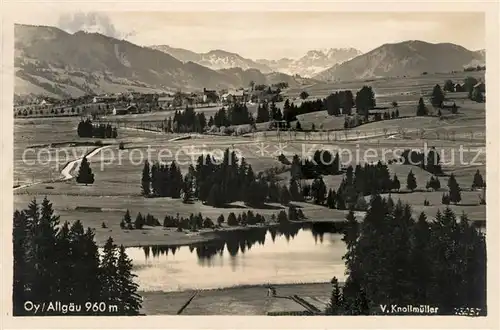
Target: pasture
[459, 138]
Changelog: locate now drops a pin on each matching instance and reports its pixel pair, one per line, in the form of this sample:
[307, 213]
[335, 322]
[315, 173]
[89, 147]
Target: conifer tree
[295, 194]
[146, 180]
[130, 301]
[85, 174]
[335, 306]
[330, 199]
[108, 274]
[318, 189]
[20, 246]
[220, 220]
[284, 195]
[437, 96]
[395, 183]
[421, 108]
[139, 221]
[455, 196]
[478, 181]
[411, 182]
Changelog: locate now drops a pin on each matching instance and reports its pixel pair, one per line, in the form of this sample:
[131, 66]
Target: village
[132, 102]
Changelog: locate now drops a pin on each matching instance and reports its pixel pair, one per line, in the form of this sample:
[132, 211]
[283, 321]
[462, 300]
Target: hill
[52, 62]
[405, 58]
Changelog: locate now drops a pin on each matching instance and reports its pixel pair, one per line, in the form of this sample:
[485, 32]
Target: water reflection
[285, 254]
[242, 241]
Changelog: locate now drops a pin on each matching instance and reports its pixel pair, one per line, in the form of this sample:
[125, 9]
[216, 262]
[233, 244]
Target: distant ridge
[411, 57]
[52, 62]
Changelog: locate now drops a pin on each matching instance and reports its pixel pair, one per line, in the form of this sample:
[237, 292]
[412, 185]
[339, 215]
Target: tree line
[215, 183]
[54, 262]
[186, 121]
[392, 258]
[85, 128]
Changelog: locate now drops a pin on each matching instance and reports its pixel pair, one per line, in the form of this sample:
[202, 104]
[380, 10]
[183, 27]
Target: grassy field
[117, 172]
[399, 89]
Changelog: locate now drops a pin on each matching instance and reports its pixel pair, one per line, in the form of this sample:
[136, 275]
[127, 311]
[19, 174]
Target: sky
[274, 35]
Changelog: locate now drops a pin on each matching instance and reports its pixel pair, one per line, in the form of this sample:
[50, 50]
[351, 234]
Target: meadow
[118, 172]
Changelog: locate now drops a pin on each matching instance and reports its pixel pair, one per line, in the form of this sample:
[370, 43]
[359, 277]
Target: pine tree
[85, 174]
[146, 180]
[127, 218]
[421, 270]
[187, 189]
[421, 108]
[298, 126]
[139, 221]
[295, 194]
[335, 306]
[130, 301]
[220, 220]
[478, 181]
[318, 189]
[20, 246]
[455, 196]
[330, 199]
[284, 195]
[44, 243]
[437, 96]
[411, 182]
[395, 185]
[109, 274]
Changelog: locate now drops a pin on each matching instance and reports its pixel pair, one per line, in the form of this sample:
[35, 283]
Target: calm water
[275, 256]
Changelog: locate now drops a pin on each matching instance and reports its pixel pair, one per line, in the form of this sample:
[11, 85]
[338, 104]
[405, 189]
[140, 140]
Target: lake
[258, 256]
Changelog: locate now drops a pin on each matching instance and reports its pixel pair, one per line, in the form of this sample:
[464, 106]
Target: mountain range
[214, 59]
[53, 62]
[406, 58]
[56, 63]
[313, 62]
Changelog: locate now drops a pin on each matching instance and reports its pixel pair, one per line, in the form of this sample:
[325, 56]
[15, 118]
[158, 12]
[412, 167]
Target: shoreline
[236, 300]
[179, 239]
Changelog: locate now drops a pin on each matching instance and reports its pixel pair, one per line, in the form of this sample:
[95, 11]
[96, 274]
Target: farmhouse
[210, 96]
[104, 98]
[124, 110]
[459, 87]
[235, 97]
[480, 87]
[165, 102]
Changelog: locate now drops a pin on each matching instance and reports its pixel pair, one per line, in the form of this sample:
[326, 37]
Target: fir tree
[139, 221]
[411, 182]
[478, 181]
[110, 292]
[318, 189]
[335, 306]
[129, 301]
[85, 174]
[421, 108]
[455, 196]
[395, 185]
[146, 180]
[220, 220]
[437, 96]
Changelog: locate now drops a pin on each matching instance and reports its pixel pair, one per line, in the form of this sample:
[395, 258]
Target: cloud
[91, 22]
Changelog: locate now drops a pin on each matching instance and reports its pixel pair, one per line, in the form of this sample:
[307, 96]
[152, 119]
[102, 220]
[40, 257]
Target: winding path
[66, 171]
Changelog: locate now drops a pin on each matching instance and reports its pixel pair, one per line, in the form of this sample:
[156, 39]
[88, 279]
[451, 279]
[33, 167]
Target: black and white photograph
[249, 163]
